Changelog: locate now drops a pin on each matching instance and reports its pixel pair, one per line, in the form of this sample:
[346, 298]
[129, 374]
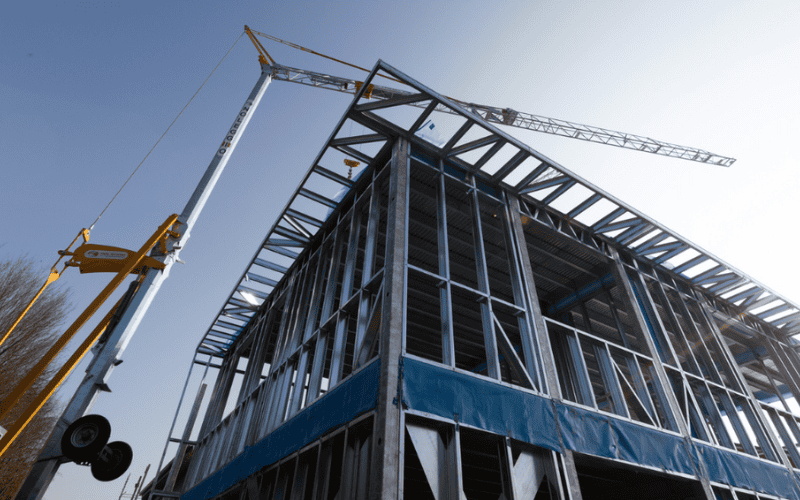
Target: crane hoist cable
[251, 32]
[492, 114]
[89, 258]
[165, 132]
[54, 272]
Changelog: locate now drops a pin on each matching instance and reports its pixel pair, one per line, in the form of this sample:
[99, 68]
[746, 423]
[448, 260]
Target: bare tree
[20, 279]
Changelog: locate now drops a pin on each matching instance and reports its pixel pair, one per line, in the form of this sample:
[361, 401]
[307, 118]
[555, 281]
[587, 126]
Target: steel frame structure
[468, 319]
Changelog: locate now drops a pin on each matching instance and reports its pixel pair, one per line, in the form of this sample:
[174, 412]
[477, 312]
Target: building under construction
[465, 318]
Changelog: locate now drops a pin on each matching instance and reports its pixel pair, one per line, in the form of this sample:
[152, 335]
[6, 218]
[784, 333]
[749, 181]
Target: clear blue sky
[86, 88]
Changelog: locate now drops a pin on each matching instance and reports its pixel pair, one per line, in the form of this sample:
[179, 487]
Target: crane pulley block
[91, 258]
[368, 92]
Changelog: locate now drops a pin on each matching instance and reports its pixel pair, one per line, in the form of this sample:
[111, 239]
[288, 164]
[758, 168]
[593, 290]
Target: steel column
[542, 339]
[621, 277]
[386, 460]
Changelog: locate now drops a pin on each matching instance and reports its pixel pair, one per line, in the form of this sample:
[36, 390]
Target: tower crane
[117, 337]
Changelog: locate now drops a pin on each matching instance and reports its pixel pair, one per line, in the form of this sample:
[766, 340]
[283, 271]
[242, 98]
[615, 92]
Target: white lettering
[106, 254]
[232, 132]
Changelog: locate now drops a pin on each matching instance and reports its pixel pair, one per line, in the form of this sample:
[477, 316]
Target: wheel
[84, 439]
[113, 461]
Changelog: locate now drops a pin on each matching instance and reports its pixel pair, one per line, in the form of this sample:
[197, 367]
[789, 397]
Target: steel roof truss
[775, 310]
[303, 217]
[344, 181]
[699, 259]
[425, 114]
[559, 191]
[538, 186]
[472, 145]
[510, 165]
[279, 249]
[355, 154]
[296, 225]
[357, 139]
[223, 336]
[257, 293]
[487, 155]
[395, 101]
[749, 295]
[600, 225]
[261, 279]
[225, 324]
[636, 233]
[241, 303]
[457, 136]
[300, 238]
[718, 280]
[311, 195]
[725, 286]
[270, 265]
[769, 298]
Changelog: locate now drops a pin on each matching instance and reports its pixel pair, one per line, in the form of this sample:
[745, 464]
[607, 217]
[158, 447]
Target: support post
[621, 277]
[542, 340]
[109, 355]
[386, 460]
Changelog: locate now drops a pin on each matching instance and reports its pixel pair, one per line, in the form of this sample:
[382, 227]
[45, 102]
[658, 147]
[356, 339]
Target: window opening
[468, 337]
[424, 329]
[496, 248]
[482, 465]
[423, 237]
[460, 239]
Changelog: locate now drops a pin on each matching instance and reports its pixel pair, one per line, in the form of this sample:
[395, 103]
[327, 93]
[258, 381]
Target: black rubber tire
[121, 456]
[85, 437]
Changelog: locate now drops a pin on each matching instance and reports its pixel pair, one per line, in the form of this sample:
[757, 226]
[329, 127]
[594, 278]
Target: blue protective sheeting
[737, 470]
[586, 432]
[592, 433]
[541, 421]
[345, 402]
[642, 445]
[480, 403]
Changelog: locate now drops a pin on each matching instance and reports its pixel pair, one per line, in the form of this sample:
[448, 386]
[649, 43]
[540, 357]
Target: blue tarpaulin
[541, 421]
[480, 403]
[589, 432]
[744, 472]
[343, 403]
[503, 410]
